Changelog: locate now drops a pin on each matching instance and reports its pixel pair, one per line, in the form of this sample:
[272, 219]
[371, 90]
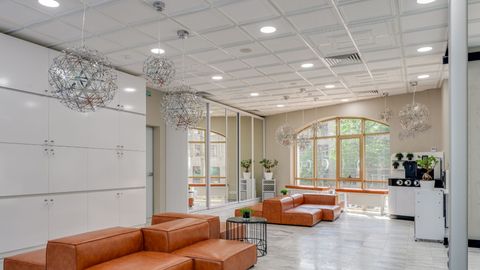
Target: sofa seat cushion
[33, 260]
[236, 228]
[330, 212]
[302, 216]
[146, 260]
[220, 254]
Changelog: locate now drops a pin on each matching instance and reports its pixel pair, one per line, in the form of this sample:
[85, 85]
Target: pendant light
[387, 113]
[285, 134]
[413, 117]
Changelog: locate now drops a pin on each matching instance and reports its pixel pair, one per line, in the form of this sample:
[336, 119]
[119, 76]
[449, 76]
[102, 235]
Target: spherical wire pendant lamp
[159, 70]
[182, 106]
[413, 117]
[285, 135]
[387, 113]
[83, 79]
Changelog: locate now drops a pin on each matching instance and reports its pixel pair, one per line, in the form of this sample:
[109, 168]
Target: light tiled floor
[356, 241]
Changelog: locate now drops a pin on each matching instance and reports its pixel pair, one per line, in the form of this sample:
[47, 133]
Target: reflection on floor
[357, 241]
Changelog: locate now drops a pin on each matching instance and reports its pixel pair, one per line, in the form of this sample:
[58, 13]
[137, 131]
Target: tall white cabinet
[63, 172]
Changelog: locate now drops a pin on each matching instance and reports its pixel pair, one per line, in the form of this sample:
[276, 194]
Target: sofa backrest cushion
[297, 199]
[213, 221]
[274, 207]
[321, 199]
[81, 251]
[176, 234]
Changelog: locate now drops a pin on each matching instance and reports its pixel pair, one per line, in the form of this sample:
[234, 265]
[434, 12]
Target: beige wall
[367, 108]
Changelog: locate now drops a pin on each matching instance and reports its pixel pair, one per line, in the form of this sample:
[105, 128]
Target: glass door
[149, 165]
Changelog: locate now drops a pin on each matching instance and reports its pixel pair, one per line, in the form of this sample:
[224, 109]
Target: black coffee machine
[413, 172]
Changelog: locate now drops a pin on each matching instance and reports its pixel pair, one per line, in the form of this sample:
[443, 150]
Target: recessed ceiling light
[129, 89]
[217, 77]
[423, 76]
[280, 105]
[329, 86]
[49, 3]
[307, 65]
[423, 2]
[268, 29]
[345, 100]
[157, 51]
[254, 94]
[424, 49]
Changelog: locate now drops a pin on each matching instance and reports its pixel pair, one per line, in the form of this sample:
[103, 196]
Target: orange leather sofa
[183, 244]
[299, 209]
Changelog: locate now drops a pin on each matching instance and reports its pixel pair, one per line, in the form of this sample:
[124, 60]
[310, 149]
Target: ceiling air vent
[344, 59]
[368, 93]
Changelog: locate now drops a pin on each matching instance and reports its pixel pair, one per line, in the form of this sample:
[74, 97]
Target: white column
[458, 53]
[176, 165]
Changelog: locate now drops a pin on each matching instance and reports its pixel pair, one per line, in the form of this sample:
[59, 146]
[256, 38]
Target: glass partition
[197, 181]
[232, 155]
[257, 169]
[218, 156]
[247, 185]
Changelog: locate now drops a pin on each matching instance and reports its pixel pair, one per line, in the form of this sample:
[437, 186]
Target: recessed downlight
[307, 65]
[423, 76]
[424, 49]
[217, 78]
[130, 89]
[280, 106]
[345, 100]
[268, 29]
[255, 94]
[49, 3]
[330, 86]
[157, 51]
[423, 2]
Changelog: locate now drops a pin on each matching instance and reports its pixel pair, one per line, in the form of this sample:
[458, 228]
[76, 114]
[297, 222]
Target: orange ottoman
[33, 260]
[220, 254]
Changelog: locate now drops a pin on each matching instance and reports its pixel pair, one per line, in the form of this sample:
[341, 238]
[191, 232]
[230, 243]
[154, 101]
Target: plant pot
[246, 175]
[268, 175]
[395, 167]
[427, 184]
[246, 215]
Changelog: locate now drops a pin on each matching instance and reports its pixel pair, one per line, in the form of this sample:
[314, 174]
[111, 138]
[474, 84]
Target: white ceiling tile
[37, 37]
[17, 14]
[232, 84]
[246, 73]
[437, 48]
[387, 64]
[262, 61]
[58, 29]
[375, 36]
[192, 44]
[205, 20]
[228, 37]
[427, 19]
[176, 7]
[299, 5]
[230, 65]
[282, 26]
[311, 20]
[424, 59]
[297, 55]
[129, 11]
[425, 36]
[315, 73]
[101, 44]
[212, 56]
[249, 11]
[95, 22]
[332, 43]
[127, 57]
[362, 10]
[287, 77]
[169, 51]
[276, 69]
[284, 43]
[376, 55]
[254, 49]
[409, 6]
[129, 37]
[343, 69]
[258, 80]
[168, 29]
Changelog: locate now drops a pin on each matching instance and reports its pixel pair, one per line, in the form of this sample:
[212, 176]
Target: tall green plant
[268, 164]
[428, 164]
[246, 164]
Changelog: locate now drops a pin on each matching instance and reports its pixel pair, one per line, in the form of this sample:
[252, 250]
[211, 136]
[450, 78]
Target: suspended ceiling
[225, 40]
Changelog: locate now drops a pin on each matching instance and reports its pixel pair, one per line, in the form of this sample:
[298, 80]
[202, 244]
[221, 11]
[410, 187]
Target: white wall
[473, 150]
[176, 170]
[63, 172]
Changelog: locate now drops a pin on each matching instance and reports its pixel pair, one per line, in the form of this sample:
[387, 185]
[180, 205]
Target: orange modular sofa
[298, 209]
[183, 244]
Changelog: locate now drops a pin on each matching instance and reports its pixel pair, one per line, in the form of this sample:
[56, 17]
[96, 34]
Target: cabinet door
[67, 127]
[102, 129]
[131, 93]
[133, 207]
[102, 169]
[67, 215]
[67, 169]
[23, 169]
[132, 131]
[24, 222]
[102, 209]
[23, 117]
[132, 169]
[24, 65]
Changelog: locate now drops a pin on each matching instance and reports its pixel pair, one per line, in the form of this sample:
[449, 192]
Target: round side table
[251, 230]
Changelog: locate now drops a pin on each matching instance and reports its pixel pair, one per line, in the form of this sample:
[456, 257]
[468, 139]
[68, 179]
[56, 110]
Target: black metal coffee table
[251, 230]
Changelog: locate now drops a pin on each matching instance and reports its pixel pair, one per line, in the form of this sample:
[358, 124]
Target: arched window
[196, 157]
[344, 152]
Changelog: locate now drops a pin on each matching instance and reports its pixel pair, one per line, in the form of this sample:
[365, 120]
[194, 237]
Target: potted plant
[410, 156]
[284, 191]
[246, 212]
[395, 164]
[427, 163]
[399, 156]
[246, 164]
[268, 165]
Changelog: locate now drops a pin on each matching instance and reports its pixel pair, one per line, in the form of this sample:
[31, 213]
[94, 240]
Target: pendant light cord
[183, 60]
[159, 27]
[83, 22]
